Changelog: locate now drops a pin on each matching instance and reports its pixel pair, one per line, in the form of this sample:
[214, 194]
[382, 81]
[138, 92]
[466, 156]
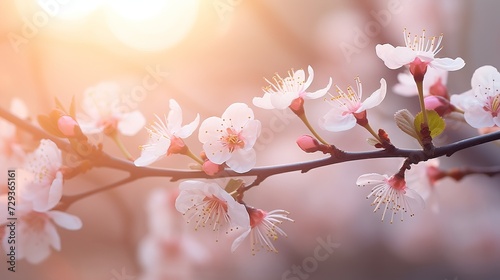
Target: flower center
[493, 105]
[233, 140]
[350, 100]
[285, 85]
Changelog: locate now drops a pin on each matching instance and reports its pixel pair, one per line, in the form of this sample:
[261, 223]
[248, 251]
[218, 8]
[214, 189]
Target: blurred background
[208, 54]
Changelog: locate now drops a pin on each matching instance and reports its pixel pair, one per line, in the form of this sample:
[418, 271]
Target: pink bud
[418, 69]
[439, 89]
[66, 125]
[308, 144]
[211, 168]
[439, 104]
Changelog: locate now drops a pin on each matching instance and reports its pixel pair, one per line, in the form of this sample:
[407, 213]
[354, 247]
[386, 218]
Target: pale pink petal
[415, 197]
[477, 117]
[237, 115]
[448, 64]
[131, 123]
[337, 120]
[242, 161]
[174, 119]
[35, 247]
[310, 77]
[52, 236]
[216, 151]
[211, 129]
[188, 129]
[370, 179]
[237, 242]
[319, 93]
[65, 220]
[282, 101]
[406, 85]
[263, 102]
[251, 133]
[154, 150]
[395, 57]
[375, 98]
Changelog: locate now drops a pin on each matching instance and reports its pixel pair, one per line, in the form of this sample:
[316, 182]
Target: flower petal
[395, 57]
[251, 133]
[216, 151]
[65, 220]
[188, 129]
[337, 120]
[242, 161]
[477, 117]
[174, 118]
[154, 150]
[237, 115]
[370, 179]
[263, 102]
[448, 64]
[319, 93]
[237, 242]
[131, 123]
[211, 129]
[375, 98]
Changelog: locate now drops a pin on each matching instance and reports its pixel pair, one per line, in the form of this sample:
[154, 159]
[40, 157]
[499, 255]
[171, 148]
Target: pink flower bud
[66, 125]
[439, 89]
[308, 144]
[439, 104]
[211, 168]
[418, 69]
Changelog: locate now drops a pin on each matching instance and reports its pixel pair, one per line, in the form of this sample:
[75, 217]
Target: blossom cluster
[227, 146]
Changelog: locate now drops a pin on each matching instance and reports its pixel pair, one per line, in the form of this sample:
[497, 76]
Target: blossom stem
[304, 119]
[122, 147]
[420, 87]
[372, 132]
[190, 154]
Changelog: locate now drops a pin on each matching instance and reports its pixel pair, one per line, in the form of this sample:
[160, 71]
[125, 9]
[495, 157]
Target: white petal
[318, 93]
[395, 57]
[242, 161]
[65, 220]
[237, 242]
[55, 191]
[174, 118]
[211, 129]
[375, 98]
[251, 133]
[448, 64]
[337, 120]
[188, 129]
[477, 117]
[415, 197]
[310, 77]
[463, 100]
[406, 85]
[282, 101]
[216, 151]
[263, 102]
[370, 179]
[485, 79]
[131, 123]
[52, 236]
[237, 115]
[154, 150]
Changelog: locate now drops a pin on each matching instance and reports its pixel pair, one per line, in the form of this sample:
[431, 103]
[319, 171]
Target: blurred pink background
[209, 54]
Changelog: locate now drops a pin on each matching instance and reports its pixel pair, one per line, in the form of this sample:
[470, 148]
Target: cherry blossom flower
[230, 139]
[104, 112]
[165, 137]
[391, 193]
[263, 229]
[347, 107]
[417, 49]
[207, 205]
[46, 184]
[168, 251]
[36, 232]
[434, 83]
[281, 93]
[481, 104]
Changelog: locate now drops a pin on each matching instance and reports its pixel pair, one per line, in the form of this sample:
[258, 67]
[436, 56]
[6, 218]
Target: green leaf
[233, 185]
[436, 123]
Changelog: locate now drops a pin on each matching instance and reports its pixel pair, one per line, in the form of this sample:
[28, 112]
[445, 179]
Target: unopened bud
[67, 125]
[439, 89]
[308, 144]
[211, 168]
[439, 104]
